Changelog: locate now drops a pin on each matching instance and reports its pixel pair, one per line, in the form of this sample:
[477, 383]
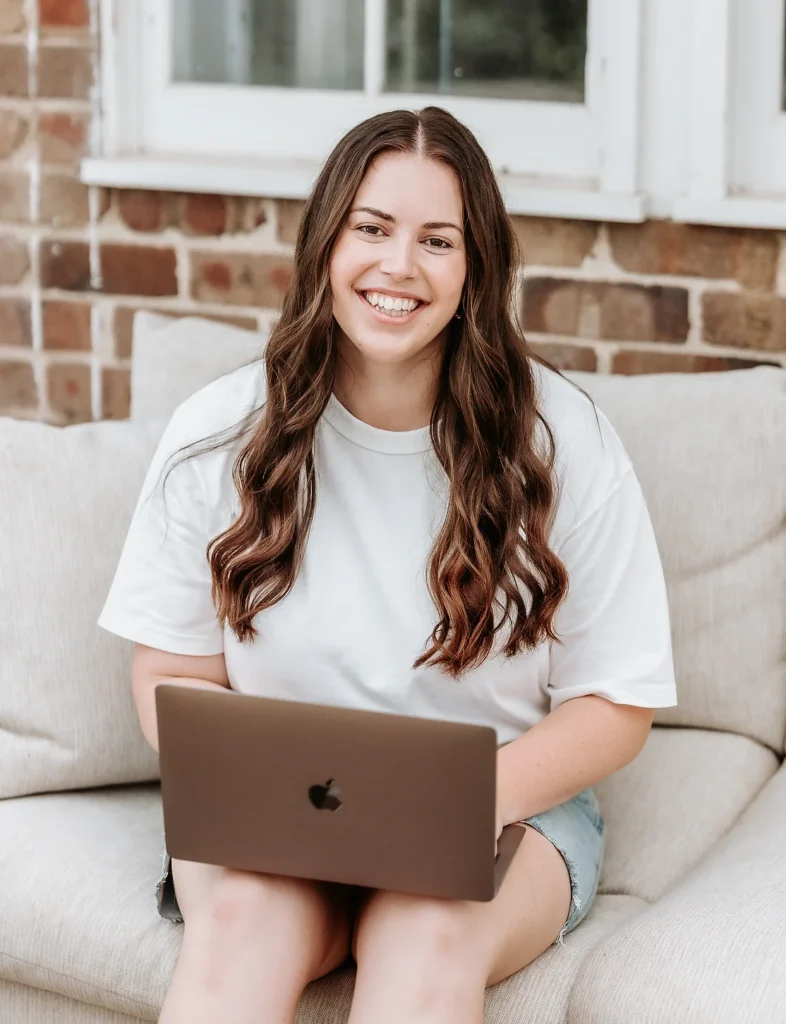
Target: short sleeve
[614, 622]
[161, 592]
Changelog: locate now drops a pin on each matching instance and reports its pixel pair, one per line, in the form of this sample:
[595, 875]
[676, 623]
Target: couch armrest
[712, 949]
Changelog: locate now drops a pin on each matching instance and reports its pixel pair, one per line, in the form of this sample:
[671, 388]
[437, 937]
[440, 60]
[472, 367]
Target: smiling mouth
[388, 307]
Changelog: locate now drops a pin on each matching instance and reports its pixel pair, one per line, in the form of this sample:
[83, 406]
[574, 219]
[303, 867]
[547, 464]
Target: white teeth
[392, 306]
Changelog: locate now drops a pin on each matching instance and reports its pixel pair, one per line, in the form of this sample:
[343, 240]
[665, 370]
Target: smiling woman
[392, 527]
[397, 275]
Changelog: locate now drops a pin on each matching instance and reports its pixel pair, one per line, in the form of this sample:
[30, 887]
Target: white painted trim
[284, 179]
[595, 142]
[760, 124]
[289, 179]
[374, 46]
[614, 75]
[709, 113]
[743, 212]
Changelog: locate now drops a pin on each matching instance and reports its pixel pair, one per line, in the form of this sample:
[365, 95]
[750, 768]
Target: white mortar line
[605, 356]
[602, 274]
[94, 209]
[695, 314]
[31, 42]
[780, 278]
[34, 167]
[663, 347]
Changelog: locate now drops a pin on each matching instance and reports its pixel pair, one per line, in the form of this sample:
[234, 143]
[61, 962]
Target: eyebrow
[432, 225]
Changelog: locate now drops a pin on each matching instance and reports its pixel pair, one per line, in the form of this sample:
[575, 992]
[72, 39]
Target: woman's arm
[152, 667]
[579, 743]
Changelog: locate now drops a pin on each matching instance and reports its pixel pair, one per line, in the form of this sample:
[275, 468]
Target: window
[266, 87]
[605, 109]
[737, 123]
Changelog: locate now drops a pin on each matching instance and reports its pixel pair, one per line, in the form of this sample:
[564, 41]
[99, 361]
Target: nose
[398, 259]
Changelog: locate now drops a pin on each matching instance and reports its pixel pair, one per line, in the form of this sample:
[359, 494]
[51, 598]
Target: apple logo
[325, 798]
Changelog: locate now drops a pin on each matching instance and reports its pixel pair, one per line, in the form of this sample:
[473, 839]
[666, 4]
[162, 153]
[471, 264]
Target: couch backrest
[710, 452]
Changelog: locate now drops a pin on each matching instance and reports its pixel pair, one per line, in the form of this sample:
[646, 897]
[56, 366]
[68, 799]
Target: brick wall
[75, 262]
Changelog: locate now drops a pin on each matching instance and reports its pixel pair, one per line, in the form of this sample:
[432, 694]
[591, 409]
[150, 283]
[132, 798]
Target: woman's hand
[498, 829]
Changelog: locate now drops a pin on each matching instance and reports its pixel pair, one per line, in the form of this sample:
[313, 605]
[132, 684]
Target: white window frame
[557, 159]
[737, 149]
[681, 118]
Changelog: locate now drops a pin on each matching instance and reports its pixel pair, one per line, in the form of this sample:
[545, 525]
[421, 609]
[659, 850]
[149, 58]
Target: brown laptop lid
[241, 778]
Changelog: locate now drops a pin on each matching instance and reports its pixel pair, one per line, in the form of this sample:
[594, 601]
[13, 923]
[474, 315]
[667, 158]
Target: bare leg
[429, 961]
[251, 944]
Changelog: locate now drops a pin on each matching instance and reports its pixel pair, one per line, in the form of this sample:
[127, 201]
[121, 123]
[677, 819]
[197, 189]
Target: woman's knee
[426, 930]
[242, 912]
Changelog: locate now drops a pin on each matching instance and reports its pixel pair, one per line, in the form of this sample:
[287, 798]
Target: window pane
[514, 49]
[783, 92]
[306, 44]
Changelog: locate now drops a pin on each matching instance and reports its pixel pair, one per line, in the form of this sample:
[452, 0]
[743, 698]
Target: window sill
[292, 179]
[735, 212]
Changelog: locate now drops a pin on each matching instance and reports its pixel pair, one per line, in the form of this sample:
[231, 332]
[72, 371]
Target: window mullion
[614, 49]
[710, 56]
[374, 46]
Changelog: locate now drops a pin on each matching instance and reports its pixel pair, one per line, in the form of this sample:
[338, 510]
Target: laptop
[332, 794]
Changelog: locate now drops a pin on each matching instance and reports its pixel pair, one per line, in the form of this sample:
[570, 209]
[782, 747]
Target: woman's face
[399, 264]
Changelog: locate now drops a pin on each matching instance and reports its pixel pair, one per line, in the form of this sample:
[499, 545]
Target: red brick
[62, 138]
[14, 259]
[69, 391]
[745, 320]
[290, 213]
[65, 265]
[13, 70]
[141, 210]
[241, 279]
[205, 214]
[17, 385]
[13, 132]
[664, 247]
[12, 18]
[15, 322]
[567, 357]
[66, 326]
[64, 14]
[124, 324]
[138, 270]
[14, 196]
[247, 214]
[554, 242]
[64, 72]
[115, 393]
[632, 361]
[601, 310]
[64, 201]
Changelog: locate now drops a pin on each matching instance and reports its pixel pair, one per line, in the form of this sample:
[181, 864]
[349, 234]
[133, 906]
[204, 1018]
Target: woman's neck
[387, 397]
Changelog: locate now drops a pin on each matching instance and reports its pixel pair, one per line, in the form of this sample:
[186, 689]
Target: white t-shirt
[360, 613]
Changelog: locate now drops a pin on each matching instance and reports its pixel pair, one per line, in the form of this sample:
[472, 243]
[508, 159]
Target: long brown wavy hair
[491, 569]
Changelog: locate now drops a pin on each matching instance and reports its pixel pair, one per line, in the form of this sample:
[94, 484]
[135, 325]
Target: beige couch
[690, 923]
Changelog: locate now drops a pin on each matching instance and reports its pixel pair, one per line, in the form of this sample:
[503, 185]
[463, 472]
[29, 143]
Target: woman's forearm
[145, 700]
[581, 742]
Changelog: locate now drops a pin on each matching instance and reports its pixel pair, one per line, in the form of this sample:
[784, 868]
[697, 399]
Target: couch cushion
[174, 358]
[66, 714]
[20, 1004]
[673, 802]
[710, 452]
[78, 914]
[713, 949]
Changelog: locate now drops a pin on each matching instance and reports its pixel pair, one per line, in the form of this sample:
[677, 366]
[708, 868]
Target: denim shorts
[576, 828]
